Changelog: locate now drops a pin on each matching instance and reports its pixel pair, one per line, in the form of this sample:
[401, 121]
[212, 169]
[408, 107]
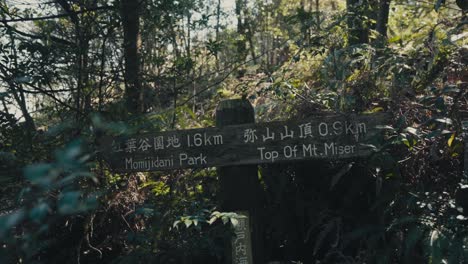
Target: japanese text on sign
[330, 137]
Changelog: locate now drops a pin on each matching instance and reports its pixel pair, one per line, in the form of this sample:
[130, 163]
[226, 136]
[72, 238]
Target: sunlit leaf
[450, 140]
[434, 237]
[212, 220]
[188, 223]
[411, 130]
[447, 121]
[234, 221]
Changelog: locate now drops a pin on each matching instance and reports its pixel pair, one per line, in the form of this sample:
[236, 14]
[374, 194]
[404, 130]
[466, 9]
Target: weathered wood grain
[321, 137]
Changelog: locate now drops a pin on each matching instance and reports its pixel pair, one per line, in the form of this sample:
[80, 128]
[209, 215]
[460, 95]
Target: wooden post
[465, 139]
[461, 195]
[240, 189]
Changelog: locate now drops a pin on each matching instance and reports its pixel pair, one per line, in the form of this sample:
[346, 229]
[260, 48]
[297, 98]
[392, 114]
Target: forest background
[74, 70]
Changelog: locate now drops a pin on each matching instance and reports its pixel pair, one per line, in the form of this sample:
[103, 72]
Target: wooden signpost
[236, 146]
[240, 192]
[465, 139]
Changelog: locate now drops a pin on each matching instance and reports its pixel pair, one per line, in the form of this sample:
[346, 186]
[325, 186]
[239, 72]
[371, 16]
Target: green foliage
[52, 192]
[207, 218]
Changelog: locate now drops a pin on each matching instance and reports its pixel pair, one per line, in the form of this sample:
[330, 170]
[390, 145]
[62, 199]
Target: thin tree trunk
[19, 96]
[131, 45]
[358, 32]
[382, 20]
[190, 73]
[317, 11]
[82, 43]
[249, 36]
[101, 72]
[241, 44]
[218, 13]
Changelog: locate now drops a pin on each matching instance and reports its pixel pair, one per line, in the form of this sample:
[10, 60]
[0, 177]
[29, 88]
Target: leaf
[450, 140]
[445, 120]
[407, 143]
[342, 172]
[10, 220]
[385, 127]
[69, 156]
[370, 146]
[450, 89]
[394, 39]
[438, 4]
[39, 212]
[188, 222]
[434, 237]
[68, 202]
[212, 220]
[461, 217]
[73, 176]
[91, 202]
[40, 174]
[434, 133]
[434, 242]
[411, 130]
[234, 222]
[145, 211]
[216, 214]
[374, 110]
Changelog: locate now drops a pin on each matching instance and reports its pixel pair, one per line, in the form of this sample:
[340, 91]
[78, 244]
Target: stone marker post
[461, 195]
[240, 189]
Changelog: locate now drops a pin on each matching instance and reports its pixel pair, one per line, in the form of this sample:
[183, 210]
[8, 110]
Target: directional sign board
[320, 137]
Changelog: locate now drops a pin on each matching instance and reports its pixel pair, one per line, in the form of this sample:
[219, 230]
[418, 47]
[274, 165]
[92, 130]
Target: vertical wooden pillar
[461, 196]
[240, 189]
[465, 139]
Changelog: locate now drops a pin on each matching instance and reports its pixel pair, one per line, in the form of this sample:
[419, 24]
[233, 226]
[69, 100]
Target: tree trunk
[18, 94]
[241, 43]
[82, 42]
[317, 11]
[358, 30]
[131, 46]
[218, 13]
[249, 36]
[382, 19]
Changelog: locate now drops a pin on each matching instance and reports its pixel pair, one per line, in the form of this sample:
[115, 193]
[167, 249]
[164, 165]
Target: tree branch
[24, 34]
[23, 19]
